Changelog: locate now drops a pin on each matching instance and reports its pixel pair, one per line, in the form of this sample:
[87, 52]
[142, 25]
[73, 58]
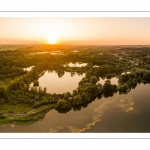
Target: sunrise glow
[52, 41]
[75, 31]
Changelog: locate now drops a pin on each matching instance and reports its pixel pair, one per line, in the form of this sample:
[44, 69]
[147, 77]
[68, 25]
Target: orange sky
[87, 31]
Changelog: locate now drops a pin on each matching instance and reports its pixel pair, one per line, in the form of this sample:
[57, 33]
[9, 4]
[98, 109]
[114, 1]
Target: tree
[2, 91]
[84, 97]
[77, 100]
[93, 79]
[40, 92]
[75, 92]
[145, 76]
[35, 83]
[108, 87]
[44, 91]
[36, 98]
[62, 104]
[123, 88]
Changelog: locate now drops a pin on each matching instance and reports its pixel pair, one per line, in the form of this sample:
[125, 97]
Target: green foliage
[2, 91]
[108, 87]
[42, 102]
[18, 91]
[2, 117]
[123, 88]
[62, 104]
[93, 79]
[36, 83]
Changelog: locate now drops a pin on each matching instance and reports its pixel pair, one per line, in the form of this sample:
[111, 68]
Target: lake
[77, 64]
[56, 84]
[119, 113]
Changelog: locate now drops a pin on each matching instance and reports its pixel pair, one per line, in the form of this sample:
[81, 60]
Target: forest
[109, 61]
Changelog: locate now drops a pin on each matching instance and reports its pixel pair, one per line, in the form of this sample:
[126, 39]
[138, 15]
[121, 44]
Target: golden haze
[75, 31]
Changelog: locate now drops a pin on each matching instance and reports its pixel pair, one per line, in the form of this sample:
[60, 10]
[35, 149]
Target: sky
[75, 30]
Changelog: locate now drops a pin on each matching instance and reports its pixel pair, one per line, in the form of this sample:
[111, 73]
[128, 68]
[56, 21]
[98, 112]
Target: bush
[93, 79]
[36, 83]
[2, 117]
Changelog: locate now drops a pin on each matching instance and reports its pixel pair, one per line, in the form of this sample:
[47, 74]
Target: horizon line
[82, 44]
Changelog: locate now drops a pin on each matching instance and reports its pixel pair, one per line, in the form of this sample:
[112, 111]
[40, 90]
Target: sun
[52, 41]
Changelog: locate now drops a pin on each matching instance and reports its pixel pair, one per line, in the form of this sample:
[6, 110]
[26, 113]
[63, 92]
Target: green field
[14, 47]
[19, 108]
[23, 114]
[141, 69]
[6, 81]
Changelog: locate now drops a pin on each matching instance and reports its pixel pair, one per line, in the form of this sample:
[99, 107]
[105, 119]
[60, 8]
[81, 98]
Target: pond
[95, 66]
[125, 73]
[119, 113]
[75, 51]
[113, 80]
[77, 64]
[46, 52]
[28, 68]
[56, 84]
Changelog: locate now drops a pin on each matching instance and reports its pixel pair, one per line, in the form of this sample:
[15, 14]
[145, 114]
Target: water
[113, 80]
[56, 84]
[28, 68]
[42, 53]
[77, 64]
[52, 53]
[75, 51]
[119, 113]
[95, 66]
[136, 120]
[125, 73]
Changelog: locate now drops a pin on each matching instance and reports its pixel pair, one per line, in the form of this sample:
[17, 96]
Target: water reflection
[28, 68]
[75, 51]
[113, 80]
[120, 113]
[95, 66]
[55, 84]
[109, 94]
[125, 73]
[123, 102]
[46, 52]
[76, 64]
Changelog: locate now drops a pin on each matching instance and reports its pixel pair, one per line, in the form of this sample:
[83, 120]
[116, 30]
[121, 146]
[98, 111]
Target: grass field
[141, 69]
[22, 108]
[7, 80]
[14, 47]
[22, 114]
[18, 108]
[42, 109]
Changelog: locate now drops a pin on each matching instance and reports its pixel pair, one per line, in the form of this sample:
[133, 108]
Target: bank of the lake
[119, 113]
[25, 116]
